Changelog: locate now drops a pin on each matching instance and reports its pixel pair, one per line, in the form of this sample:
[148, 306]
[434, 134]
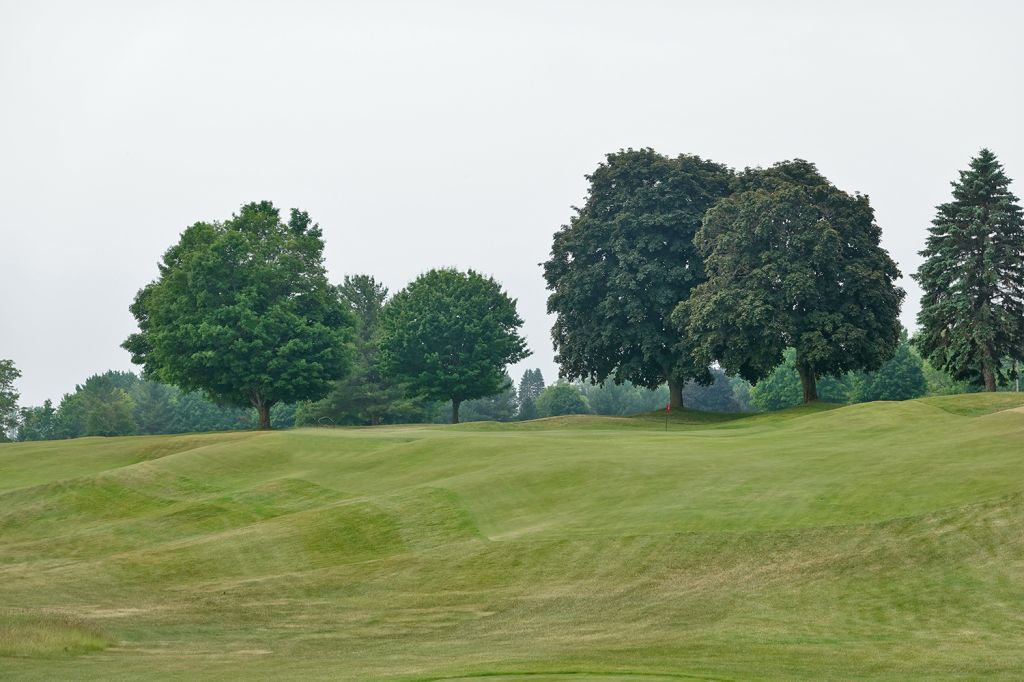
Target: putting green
[880, 541]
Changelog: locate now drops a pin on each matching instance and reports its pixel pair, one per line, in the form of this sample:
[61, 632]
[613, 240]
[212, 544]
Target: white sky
[425, 134]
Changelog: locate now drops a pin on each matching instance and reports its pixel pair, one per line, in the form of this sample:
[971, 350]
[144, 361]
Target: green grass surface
[880, 541]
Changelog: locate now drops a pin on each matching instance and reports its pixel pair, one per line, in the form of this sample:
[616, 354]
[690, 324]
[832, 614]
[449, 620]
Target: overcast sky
[426, 134]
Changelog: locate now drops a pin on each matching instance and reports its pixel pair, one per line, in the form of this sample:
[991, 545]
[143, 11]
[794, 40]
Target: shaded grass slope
[879, 541]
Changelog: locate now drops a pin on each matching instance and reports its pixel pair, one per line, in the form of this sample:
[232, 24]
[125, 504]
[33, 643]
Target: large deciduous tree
[244, 312]
[449, 336]
[793, 261]
[972, 311]
[622, 264]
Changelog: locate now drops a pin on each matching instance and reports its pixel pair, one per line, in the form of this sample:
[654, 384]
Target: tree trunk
[675, 394]
[808, 383]
[455, 410]
[990, 379]
[262, 409]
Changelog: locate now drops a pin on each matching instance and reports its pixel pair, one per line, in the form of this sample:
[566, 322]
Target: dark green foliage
[500, 407]
[972, 310]
[741, 394]
[153, 407]
[560, 399]
[449, 336]
[715, 397]
[900, 378]
[284, 414]
[530, 387]
[108, 408]
[940, 383]
[623, 399]
[243, 311]
[364, 397]
[194, 412]
[102, 406]
[622, 264]
[782, 388]
[37, 423]
[792, 261]
[8, 399]
[119, 403]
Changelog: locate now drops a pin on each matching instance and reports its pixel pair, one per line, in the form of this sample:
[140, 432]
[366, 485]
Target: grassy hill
[878, 541]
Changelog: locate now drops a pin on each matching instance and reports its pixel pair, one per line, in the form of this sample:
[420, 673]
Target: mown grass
[44, 636]
[879, 541]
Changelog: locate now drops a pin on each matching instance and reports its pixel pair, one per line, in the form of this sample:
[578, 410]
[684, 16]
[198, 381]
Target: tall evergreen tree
[530, 388]
[364, 397]
[153, 407]
[972, 311]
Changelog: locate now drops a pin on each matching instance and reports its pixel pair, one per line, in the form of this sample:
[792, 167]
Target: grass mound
[878, 541]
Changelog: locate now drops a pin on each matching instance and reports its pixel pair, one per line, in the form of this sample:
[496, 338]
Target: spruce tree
[972, 311]
[530, 387]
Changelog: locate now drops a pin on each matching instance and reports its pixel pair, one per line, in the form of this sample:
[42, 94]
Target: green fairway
[875, 541]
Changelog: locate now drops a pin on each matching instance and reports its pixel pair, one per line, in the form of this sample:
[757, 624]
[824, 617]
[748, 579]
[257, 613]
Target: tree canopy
[624, 262]
[972, 310]
[244, 312]
[615, 399]
[902, 377]
[793, 261]
[560, 399]
[782, 388]
[718, 396]
[499, 407]
[449, 335]
[8, 399]
[365, 396]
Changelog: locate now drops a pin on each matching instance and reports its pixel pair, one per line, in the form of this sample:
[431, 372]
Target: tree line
[673, 266]
[676, 272]
[122, 403]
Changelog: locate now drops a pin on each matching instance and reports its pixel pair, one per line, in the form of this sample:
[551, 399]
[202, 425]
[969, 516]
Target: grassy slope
[878, 541]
